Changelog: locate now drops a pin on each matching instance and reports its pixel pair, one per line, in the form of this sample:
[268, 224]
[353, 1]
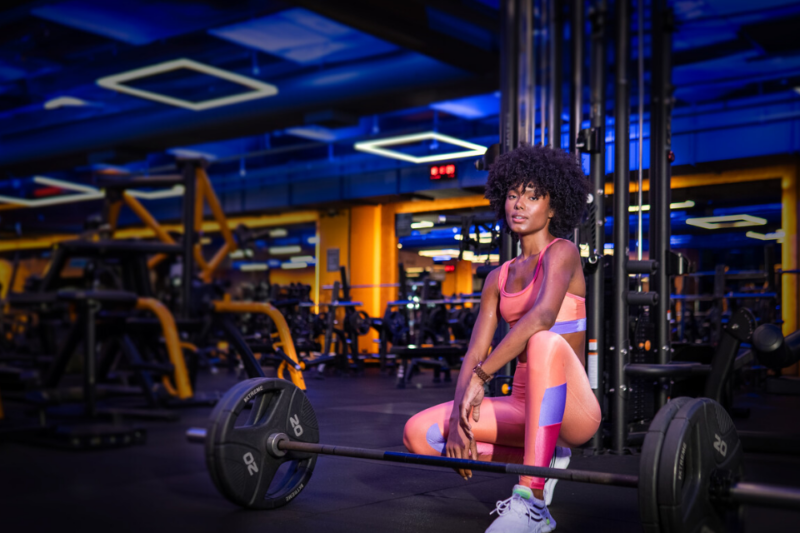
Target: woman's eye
[533, 197]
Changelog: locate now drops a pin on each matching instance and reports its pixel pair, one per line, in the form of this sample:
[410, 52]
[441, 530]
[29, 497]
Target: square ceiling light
[726, 221]
[257, 89]
[83, 193]
[378, 147]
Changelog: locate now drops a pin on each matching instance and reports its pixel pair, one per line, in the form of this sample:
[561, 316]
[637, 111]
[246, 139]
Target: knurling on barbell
[262, 444]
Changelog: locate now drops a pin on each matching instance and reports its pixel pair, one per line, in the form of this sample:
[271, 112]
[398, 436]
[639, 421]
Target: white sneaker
[522, 513]
[560, 460]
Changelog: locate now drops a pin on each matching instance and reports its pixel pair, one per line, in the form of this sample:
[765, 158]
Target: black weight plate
[648, 464]
[360, 322]
[700, 440]
[236, 444]
[742, 324]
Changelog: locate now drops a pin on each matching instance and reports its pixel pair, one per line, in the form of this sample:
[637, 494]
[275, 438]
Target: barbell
[262, 444]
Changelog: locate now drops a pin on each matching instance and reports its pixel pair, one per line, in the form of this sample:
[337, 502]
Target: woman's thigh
[581, 412]
[501, 421]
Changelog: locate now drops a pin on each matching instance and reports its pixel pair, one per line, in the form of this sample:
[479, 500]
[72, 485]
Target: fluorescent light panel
[422, 224]
[86, 193]
[302, 259]
[254, 267]
[241, 253]
[775, 236]
[258, 89]
[436, 253]
[293, 266]
[727, 221]
[377, 147]
[284, 250]
[278, 232]
[675, 205]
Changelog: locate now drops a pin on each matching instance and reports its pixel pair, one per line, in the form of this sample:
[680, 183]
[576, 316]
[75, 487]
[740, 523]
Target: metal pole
[660, 180]
[545, 42]
[526, 82]
[517, 99]
[576, 113]
[187, 275]
[509, 113]
[620, 341]
[556, 38]
[640, 134]
[595, 290]
[283, 443]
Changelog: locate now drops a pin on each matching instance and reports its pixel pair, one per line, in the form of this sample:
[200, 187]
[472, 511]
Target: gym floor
[163, 485]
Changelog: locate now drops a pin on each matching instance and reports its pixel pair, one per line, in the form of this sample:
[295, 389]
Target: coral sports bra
[513, 305]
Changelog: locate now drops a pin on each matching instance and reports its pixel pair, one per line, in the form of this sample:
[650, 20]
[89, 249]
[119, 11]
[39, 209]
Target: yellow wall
[365, 265]
[789, 254]
[459, 281]
[332, 232]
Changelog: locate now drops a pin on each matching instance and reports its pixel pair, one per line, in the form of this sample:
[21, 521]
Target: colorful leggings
[551, 403]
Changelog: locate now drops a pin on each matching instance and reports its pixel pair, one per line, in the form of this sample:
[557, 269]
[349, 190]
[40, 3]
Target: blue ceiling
[346, 71]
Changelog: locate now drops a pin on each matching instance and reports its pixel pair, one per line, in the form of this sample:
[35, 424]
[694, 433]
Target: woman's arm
[559, 266]
[482, 335]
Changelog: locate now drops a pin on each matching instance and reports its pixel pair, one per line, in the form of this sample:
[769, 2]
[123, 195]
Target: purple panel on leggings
[436, 439]
[553, 403]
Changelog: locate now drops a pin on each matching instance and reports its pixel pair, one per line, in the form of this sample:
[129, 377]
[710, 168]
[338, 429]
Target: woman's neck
[533, 243]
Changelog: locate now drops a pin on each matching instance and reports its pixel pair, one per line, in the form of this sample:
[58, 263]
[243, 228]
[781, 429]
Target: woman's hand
[471, 403]
[459, 446]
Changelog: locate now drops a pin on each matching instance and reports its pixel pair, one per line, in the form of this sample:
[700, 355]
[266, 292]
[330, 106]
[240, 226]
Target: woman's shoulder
[492, 282]
[561, 251]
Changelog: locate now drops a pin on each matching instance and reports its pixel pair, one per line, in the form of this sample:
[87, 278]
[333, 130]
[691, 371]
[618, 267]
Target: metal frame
[595, 289]
[660, 193]
[620, 342]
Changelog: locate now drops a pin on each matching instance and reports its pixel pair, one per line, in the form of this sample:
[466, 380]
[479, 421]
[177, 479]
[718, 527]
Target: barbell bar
[279, 443]
[690, 472]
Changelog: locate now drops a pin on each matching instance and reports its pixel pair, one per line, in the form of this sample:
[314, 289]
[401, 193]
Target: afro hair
[555, 173]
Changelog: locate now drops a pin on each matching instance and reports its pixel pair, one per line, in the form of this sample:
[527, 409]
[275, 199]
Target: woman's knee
[543, 344]
[410, 432]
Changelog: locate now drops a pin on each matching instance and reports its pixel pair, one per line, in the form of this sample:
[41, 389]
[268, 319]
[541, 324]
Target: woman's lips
[518, 219]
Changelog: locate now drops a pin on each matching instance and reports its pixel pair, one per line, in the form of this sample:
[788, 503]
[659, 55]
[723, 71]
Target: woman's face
[525, 212]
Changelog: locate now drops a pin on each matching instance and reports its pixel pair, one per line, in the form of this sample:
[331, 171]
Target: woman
[541, 194]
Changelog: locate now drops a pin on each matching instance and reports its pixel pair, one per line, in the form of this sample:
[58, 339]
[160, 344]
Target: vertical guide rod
[595, 290]
[621, 342]
[556, 40]
[660, 180]
[545, 42]
[640, 98]
[517, 100]
[576, 107]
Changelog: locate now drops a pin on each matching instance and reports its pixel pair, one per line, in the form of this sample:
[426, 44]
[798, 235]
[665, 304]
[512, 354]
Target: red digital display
[46, 191]
[443, 171]
[449, 268]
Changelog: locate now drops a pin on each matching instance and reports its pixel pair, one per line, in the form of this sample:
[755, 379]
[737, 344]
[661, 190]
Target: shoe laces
[504, 506]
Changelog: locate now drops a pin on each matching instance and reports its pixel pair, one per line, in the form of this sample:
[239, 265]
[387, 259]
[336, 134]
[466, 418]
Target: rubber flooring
[163, 485]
